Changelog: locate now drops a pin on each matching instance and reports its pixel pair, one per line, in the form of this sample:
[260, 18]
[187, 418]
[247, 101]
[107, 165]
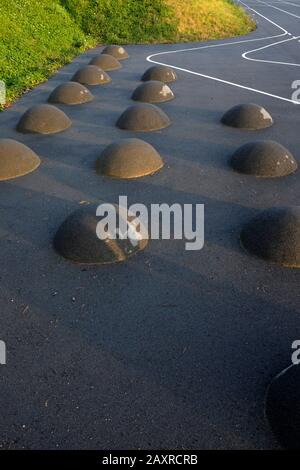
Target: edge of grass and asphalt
[37, 37]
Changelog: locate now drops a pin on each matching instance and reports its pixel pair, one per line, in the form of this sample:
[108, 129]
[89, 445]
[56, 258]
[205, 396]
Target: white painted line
[264, 17]
[284, 33]
[280, 9]
[288, 3]
[246, 54]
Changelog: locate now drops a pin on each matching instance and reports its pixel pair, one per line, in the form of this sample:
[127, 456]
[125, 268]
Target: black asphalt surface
[172, 349]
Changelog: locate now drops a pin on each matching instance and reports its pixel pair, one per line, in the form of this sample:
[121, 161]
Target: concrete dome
[247, 116]
[91, 75]
[106, 62]
[264, 159]
[275, 236]
[161, 73]
[16, 159]
[117, 51]
[70, 93]
[44, 119]
[143, 118]
[153, 92]
[77, 240]
[129, 158]
[283, 407]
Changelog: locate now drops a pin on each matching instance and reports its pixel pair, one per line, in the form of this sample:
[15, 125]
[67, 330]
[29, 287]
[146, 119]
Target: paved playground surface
[171, 349]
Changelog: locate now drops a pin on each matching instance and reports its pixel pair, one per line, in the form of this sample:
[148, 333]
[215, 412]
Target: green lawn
[38, 36]
[124, 21]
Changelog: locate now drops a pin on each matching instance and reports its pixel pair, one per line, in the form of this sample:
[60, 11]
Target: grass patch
[147, 21]
[201, 20]
[38, 36]
[124, 21]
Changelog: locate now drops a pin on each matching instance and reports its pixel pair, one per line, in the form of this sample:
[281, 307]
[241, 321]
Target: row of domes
[273, 235]
[48, 119]
[134, 158]
[76, 239]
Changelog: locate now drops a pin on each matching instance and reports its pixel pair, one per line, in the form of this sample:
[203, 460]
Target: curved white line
[280, 9]
[290, 3]
[232, 43]
[260, 14]
[276, 62]
[226, 82]
[245, 55]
